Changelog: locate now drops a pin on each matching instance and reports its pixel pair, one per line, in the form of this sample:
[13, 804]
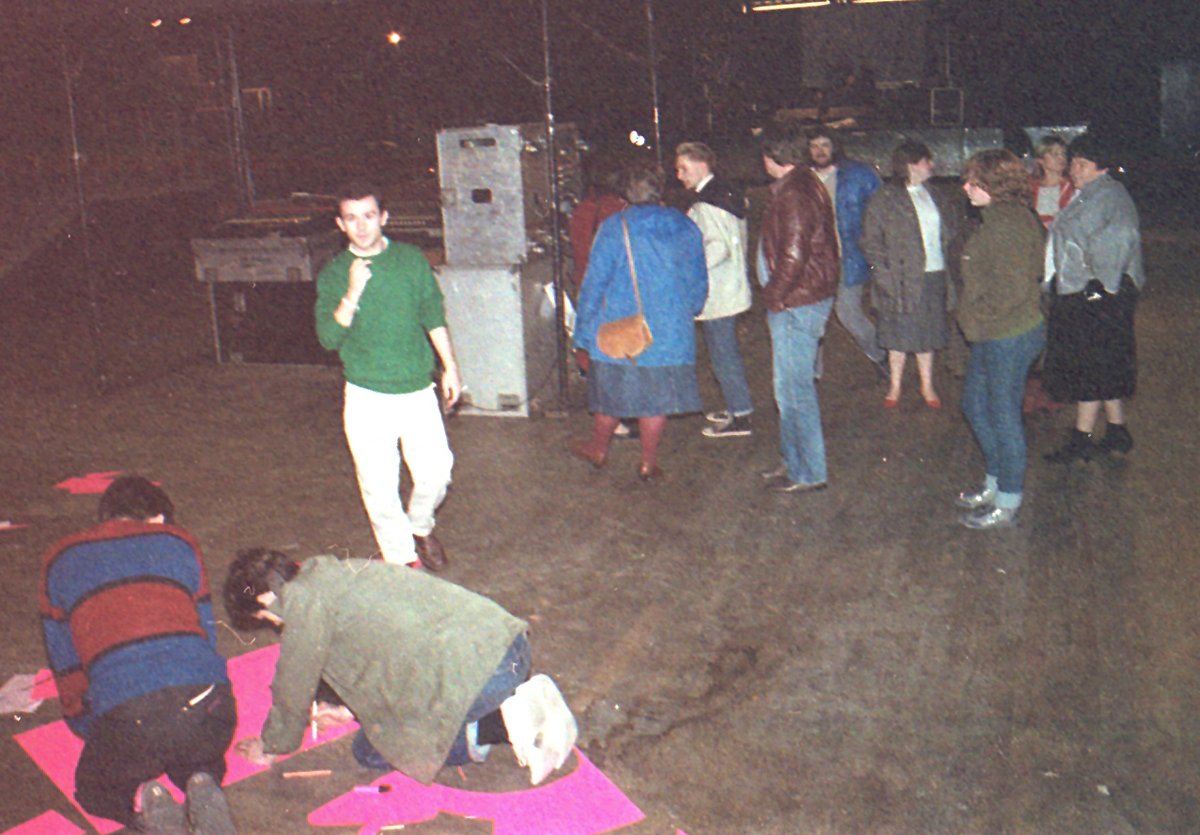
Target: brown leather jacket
[799, 242]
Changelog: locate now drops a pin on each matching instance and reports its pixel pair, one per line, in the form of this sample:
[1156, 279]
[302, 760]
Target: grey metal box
[502, 322]
[496, 193]
[483, 211]
[951, 147]
[266, 250]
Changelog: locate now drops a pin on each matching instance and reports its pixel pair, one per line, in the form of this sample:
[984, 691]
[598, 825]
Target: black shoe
[160, 814]
[1079, 447]
[1116, 439]
[627, 430]
[207, 809]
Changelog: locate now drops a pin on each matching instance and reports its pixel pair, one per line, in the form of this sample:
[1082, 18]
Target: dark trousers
[140, 739]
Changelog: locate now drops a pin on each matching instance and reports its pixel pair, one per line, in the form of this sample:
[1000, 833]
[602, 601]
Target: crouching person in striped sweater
[129, 630]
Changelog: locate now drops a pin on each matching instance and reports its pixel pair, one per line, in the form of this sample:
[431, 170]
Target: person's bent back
[130, 634]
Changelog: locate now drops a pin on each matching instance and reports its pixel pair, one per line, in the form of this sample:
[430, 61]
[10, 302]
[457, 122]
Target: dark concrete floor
[848, 661]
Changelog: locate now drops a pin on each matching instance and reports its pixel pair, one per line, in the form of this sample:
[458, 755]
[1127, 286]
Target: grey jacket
[891, 240]
[1096, 237]
[407, 652]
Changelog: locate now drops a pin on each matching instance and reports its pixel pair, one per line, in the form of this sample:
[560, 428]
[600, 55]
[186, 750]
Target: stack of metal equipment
[497, 218]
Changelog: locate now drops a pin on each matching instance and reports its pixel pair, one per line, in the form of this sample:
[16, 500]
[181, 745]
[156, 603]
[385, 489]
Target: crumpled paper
[16, 696]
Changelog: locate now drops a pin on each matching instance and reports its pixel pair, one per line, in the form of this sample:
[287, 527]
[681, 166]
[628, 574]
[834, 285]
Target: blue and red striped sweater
[126, 611]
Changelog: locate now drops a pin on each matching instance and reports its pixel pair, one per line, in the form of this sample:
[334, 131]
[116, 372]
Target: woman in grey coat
[1094, 265]
[907, 230]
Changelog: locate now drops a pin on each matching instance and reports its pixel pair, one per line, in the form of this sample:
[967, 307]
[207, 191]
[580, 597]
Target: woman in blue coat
[668, 255]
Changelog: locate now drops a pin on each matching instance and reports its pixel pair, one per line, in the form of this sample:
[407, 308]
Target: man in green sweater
[379, 306]
[435, 674]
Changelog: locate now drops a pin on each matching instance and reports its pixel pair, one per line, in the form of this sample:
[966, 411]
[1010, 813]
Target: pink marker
[372, 789]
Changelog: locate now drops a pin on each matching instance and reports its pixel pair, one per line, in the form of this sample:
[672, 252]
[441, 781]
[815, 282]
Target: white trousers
[381, 427]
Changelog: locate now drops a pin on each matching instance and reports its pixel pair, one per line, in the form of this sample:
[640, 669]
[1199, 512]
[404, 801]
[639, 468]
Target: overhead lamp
[769, 6]
[781, 5]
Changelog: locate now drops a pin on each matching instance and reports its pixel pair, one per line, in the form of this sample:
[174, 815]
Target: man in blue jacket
[850, 184]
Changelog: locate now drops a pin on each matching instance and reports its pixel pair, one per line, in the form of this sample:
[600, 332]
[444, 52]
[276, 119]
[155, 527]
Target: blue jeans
[512, 670]
[849, 309]
[991, 400]
[720, 337]
[795, 335]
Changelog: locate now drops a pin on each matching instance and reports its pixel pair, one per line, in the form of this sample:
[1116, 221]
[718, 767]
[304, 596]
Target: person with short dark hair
[798, 270]
[1000, 315]
[908, 231]
[720, 211]
[130, 634]
[672, 282]
[435, 674]
[1095, 273]
[601, 199]
[850, 183]
[379, 306]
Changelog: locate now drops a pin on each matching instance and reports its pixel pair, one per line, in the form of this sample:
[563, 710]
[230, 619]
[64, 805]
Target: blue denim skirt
[630, 391]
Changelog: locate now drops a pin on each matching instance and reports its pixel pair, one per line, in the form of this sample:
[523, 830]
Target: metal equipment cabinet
[502, 321]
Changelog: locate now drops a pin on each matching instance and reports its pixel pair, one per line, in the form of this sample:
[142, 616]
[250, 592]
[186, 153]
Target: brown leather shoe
[430, 550]
[582, 449]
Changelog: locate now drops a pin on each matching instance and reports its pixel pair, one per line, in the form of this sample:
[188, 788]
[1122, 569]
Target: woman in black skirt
[1095, 265]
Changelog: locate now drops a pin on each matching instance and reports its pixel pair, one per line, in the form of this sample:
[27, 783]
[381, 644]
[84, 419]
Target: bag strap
[632, 268]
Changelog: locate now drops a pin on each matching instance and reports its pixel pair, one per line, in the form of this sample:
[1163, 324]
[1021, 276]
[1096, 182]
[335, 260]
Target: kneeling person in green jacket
[435, 674]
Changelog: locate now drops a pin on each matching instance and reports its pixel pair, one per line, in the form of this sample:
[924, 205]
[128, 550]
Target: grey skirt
[926, 327]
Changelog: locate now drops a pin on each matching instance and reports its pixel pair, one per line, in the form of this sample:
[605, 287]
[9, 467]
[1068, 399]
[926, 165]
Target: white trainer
[540, 727]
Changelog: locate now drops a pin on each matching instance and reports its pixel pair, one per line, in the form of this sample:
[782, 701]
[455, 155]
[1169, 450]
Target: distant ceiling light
[769, 6]
[395, 37]
[780, 5]
[184, 21]
[156, 23]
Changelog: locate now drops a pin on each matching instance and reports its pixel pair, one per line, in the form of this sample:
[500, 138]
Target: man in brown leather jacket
[798, 267]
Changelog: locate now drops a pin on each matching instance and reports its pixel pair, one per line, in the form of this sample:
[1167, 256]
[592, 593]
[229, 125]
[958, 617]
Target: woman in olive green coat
[1001, 317]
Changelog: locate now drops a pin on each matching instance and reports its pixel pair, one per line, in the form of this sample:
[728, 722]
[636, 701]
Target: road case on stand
[261, 273]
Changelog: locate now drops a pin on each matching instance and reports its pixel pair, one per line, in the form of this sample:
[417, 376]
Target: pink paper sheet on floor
[583, 802]
[44, 686]
[90, 483]
[56, 749]
[580, 803]
[47, 823]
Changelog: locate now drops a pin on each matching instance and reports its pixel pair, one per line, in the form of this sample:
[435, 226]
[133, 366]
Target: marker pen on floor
[373, 789]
